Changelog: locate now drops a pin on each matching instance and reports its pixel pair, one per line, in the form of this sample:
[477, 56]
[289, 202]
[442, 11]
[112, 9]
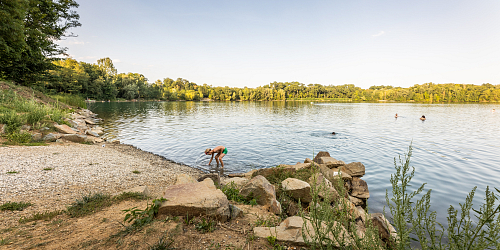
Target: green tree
[40, 23]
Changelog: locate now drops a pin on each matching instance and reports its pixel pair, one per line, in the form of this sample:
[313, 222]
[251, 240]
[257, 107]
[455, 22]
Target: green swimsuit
[225, 151]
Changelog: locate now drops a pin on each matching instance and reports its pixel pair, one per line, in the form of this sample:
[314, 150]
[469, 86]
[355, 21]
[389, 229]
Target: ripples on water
[455, 149]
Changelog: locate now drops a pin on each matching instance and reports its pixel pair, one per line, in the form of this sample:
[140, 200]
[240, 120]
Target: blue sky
[252, 43]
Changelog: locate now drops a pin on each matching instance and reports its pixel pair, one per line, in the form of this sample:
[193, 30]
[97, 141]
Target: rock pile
[83, 128]
[202, 197]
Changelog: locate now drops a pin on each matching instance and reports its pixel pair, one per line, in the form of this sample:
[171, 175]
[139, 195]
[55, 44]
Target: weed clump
[89, 204]
[15, 206]
[41, 216]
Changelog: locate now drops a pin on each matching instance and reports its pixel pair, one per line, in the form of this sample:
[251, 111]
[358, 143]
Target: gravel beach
[52, 177]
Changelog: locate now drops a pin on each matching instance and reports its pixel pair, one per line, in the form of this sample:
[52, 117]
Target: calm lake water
[455, 149]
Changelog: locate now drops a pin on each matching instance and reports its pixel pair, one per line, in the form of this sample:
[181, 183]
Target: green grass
[4, 241]
[205, 225]
[130, 196]
[41, 216]
[89, 204]
[136, 172]
[69, 99]
[12, 172]
[15, 206]
[48, 169]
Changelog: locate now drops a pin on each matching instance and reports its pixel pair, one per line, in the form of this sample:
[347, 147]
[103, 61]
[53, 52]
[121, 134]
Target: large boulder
[239, 182]
[355, 169]
[65, 129]
[297, 189]
[290, 231]
[266, 172]
[299, 166]
[359, 188]
[195, 199]
[52, 137]
[75, 138]
[260, 189]
[184, 179]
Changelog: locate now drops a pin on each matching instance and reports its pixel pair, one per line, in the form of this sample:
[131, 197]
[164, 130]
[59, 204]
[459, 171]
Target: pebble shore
[52, 177]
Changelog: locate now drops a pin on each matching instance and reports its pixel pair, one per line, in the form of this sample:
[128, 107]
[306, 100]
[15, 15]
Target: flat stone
[356, 201]
[195, 199]
[330, 162]
[184, 179]
[65, 129]
[89, 132]
[299, 190]
[88, 121]
[307, 160]
[74, 138]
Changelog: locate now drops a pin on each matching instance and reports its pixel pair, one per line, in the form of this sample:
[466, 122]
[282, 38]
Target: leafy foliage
[89, 204]
[143, 217]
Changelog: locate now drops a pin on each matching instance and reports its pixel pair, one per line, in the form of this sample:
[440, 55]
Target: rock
[139, 189]
[307, 160]
[195, 199]
[299, 166]
[330, 162]
[321, 154]
[25, 128]
[327, 189]
[90, 139]
[275, 207]
[265, 172]
[235, 211]
[89, 132]
[355, 169]
[359, 188]
[361, 213]
[36, 137]
[98, 140]
[51, 137]
[64, 129]
[184, 179]
[332, 174]
[44, 128]
[385, 229]
[299, 190]
[88, 121]
[238, 181]
[77, 116]
[74, 138]
[80, 123]
[214, 177]
[97, 131]
[345, 205]
[2, 128]
[290, 231]
[356, 201]
[260, 189]
[116, 142]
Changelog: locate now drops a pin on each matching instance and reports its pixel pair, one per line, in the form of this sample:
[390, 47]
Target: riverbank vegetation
[100, 81]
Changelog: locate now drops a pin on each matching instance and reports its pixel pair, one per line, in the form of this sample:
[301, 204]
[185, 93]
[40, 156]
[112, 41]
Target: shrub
[19, 137]
[12, 120]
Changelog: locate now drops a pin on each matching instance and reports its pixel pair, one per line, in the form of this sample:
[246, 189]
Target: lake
[455, 149]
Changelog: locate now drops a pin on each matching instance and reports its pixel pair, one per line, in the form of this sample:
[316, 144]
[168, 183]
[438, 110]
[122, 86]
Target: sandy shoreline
[78, 169]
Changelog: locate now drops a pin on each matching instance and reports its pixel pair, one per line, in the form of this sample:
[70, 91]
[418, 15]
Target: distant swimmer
[422, 118]
[221, 151]
[493, 110]
[333, 133]
[396, 116]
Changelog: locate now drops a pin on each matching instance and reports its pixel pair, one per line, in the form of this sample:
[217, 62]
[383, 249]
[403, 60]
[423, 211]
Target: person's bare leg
[220, 158]
[217, 159]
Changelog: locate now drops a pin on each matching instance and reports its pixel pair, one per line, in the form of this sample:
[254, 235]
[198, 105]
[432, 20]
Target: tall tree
[28, 36]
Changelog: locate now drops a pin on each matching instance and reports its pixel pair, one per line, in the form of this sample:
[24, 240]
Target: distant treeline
[102, 82]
